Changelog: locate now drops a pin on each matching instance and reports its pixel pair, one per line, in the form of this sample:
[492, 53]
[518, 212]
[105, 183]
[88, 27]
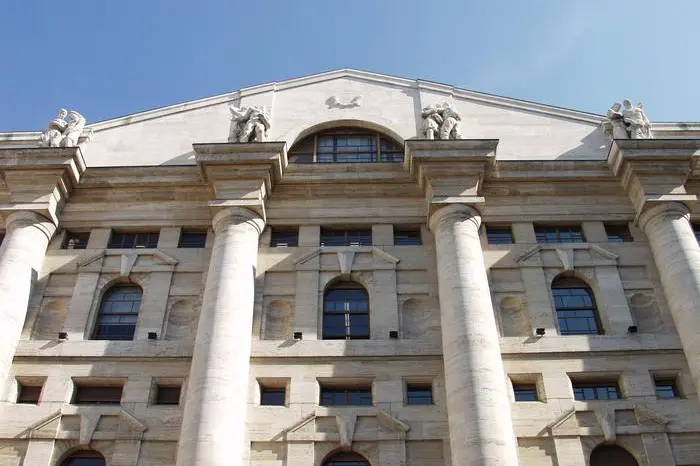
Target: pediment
[128, 259]
[608, 421]
[568, 255]
[346, 256]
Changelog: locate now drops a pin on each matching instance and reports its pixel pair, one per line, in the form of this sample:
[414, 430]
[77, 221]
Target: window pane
[406, 237]
[559, 234]
[272, 396]
[525, 393]
[666, 389]
[192, 239]
[75, 240]
[419, 395]
[28, 394]
[97, 395]
[499, 235]
[618, 233]
[118, 314]
[284, 238]
[168, 395]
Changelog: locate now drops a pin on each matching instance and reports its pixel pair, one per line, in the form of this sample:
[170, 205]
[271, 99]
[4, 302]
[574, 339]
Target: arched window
[606, 455]
[345, 312]
[346, 459]
[84, 458]
[346, 145]
[119, 310]
[576, 310]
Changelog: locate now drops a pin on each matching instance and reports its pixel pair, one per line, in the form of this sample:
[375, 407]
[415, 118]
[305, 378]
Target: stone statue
[62, 133]
[53, 134]
[638, 124]
[441, 121]
[618, 129]
[249, 124]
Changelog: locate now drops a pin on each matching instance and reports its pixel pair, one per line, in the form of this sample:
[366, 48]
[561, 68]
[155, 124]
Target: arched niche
[419, 318]
[182, 321]
[514, 319]
[609, 455]
[278, 320]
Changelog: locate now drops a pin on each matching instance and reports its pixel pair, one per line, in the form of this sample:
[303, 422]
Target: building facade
[351, 269]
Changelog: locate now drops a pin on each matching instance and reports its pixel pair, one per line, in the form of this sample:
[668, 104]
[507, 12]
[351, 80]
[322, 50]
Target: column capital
[663, 209]
[28, 218]
[454, 213]
[237, 215]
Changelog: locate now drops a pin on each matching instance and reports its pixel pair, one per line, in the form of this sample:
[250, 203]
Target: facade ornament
[62, 133]
[334, 102]
[249, 124]
[625, 121]
[441, 121]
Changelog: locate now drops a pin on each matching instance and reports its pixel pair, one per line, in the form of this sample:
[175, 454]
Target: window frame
[407, 236]
[522, 387]
[141, 239]
[70, 235]
[618, 233]
[375, 151]
[346, 392]
[411, 394]
[569, 284]
[76, 399]
[34, 389]
[191, 243]
[556, 232]
[275, 392]
[495, 232]
[159, 400]
[284, 237]
[671, 382]
[597, 385]
[99, 332]
[347, 312]
[346, 235]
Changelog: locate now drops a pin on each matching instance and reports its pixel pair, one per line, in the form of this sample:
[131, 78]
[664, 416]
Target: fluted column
[481, 430]
[27, 235]
[677, 256]
[214, 421]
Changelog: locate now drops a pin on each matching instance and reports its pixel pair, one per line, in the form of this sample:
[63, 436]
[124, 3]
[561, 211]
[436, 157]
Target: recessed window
[666, 388]
[345, 312]
[127, 240]
[336, 396]
[575, 307]
[407, 236]
[499, 234]
[97, 394]
[167, 394]
[84, 458]
[559, 234]
[75, 240]
[273, 396]
[525, 392]
[588, 391]
[191, 239]
[618, 233]
[346, 458]
[419, 394]
[341, 237]
[119, 311]
[284, 237]
[28, 393]
[346, 145]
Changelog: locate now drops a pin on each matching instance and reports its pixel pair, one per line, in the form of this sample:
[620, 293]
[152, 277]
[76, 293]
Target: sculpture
[334, 102]
[249, 124]
[625, 121]
[62, 133]
[441, 121]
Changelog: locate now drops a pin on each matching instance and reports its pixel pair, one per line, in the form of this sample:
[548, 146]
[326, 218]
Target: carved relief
[334, 102]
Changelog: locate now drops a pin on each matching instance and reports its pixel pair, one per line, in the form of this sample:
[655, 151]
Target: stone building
[343, 270]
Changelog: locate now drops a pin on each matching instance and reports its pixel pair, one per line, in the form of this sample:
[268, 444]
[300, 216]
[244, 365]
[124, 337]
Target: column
[27, 235]
[214, 420]
[677, 258]
[481, 430]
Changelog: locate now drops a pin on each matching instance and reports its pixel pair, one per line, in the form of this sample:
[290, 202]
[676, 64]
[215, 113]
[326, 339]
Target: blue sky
[108, 59]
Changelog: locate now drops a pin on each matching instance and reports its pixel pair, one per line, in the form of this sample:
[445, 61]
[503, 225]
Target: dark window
[499, 235]
[333, 237]
[586, 391]
[575, 307]
[419, 394]
[525, 392]
[75, 240]
[559, 234]
[345, 312]
[272, 396]
[696, 230]
[191, 239]
[167, 395]
[612, 455]
[407, 237]
[331, 396]
[124, 240]
[346, 145]
[28, 394]
[84, 458]
[97, 395]
[2, 237]
[346, 459]
[618, 233]
[666, 388]
[284, 238]
[119, 311]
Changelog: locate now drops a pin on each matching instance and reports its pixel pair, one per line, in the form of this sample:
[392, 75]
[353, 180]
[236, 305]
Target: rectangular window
[559, 234]
[355, 237]
[273, 396]
[419, 394]
[499, 235]
[407, 237]
[525, 392]
[28, 393]
[75, 240]
[618, 233]
[191, 239]
[125, 240]
[587, 391]
[284, 237]
[97, 395]
[334, 396]
[168, 394]
[666, 388]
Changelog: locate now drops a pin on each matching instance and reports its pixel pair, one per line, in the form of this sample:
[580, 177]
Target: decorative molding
[89, 419]
[346, 257]
[565, 252]
[566, 256]
[606, 419]
[345, 261]
[128, 259]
